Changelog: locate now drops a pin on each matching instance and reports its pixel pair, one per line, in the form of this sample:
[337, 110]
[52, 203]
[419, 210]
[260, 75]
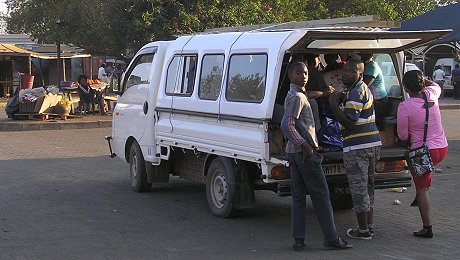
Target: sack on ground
[419, 160]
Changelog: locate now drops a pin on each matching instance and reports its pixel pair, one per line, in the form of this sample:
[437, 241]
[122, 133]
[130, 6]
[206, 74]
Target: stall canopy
[445, 17]
[9, 49]
[12, 50]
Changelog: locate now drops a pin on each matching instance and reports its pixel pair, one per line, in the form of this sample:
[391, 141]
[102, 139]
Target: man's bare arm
[340, 116]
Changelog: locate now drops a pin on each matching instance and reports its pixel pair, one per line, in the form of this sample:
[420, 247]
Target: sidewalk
[84, 122]
[449, 103]
[97, 121]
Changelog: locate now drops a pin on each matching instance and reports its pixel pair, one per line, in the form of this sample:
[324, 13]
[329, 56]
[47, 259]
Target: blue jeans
[307, 175]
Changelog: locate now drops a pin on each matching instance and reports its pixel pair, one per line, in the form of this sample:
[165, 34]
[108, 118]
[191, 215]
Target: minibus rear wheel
[219, 189]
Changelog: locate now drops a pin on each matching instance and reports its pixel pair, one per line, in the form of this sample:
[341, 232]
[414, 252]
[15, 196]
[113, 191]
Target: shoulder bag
[419, 159]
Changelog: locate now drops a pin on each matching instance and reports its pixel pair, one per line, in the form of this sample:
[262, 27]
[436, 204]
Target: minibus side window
[247, 78]
[180, 77]
[212, 68]
[390, 79]
[140, 72]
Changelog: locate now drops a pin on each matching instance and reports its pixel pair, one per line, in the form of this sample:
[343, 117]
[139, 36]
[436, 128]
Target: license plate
[333, 169]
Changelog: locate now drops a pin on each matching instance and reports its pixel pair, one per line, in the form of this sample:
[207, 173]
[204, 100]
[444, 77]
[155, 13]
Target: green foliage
[407, 9]
[210, 86]
[249, 88]
[113, 26]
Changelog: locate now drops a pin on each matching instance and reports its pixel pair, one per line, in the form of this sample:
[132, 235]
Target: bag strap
[426, 116]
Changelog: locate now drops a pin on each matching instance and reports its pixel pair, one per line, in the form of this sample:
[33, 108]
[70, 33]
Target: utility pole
[58, 53]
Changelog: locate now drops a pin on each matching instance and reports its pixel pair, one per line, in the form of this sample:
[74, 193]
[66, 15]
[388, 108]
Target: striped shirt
[298, 124]
[359, 107]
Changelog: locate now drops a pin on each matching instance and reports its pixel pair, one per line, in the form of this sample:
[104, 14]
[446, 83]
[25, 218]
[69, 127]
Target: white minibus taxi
[201, 107]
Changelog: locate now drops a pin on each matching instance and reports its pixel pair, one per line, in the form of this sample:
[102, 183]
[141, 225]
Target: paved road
[61, 197]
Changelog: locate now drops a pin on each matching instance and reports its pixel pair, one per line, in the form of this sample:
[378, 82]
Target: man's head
[298, 74]
[331, 58]
[103, 65]
[352, 72]
[457, 66]
[82, 77]
[365, 57]
[312, 60]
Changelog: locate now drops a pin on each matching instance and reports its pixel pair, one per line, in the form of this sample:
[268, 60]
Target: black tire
[137, 170]
[218, 190]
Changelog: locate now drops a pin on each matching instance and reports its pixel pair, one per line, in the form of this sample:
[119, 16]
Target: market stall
[41, 103]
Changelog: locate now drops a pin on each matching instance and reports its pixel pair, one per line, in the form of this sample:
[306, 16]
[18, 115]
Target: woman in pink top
[411, 122]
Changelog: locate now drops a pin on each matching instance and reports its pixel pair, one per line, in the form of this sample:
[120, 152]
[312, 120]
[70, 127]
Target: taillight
[390, 166]
[280, 172]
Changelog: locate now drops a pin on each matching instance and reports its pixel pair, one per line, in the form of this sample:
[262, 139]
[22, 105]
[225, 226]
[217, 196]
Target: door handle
[146, 107]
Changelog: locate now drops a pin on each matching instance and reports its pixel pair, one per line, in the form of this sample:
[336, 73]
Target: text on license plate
[333, 169]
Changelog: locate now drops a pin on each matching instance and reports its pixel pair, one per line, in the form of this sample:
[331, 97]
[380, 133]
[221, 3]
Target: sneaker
[356, 234]
[371, 231]
[339, 243]
[299, 244]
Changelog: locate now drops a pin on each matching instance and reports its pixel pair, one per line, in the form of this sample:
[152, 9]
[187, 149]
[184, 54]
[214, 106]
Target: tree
[76, 22]
[100, 27]
[113, 26]
[407, 9]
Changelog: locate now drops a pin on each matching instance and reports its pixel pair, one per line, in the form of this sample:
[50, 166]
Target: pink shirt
[411, 120]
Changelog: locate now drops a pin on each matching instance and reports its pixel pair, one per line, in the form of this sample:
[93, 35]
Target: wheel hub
[219, 190]
[134, 169]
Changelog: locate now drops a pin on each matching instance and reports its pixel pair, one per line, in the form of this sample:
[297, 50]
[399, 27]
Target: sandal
[427, 234]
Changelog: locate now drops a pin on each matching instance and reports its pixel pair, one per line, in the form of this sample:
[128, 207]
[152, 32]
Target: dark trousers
[381, 107]
[307, 175]
[87, 101]
[457, 89]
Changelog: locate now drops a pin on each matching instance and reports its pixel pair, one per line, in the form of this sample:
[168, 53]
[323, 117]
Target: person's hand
[307, 150]
[328, 90]
[334, 98]
[428, 82]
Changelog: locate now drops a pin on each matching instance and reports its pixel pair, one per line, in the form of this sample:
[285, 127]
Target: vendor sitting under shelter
[89, 96]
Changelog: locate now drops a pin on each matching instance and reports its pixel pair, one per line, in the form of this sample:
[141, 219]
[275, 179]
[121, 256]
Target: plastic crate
[27, 107]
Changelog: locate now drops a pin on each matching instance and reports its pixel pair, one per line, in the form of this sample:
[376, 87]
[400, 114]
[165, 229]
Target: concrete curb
[54, 125]
[449, 106]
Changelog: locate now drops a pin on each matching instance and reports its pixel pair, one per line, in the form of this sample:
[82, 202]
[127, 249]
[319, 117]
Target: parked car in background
[411, 66]
[447, 65]
[391, 79]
